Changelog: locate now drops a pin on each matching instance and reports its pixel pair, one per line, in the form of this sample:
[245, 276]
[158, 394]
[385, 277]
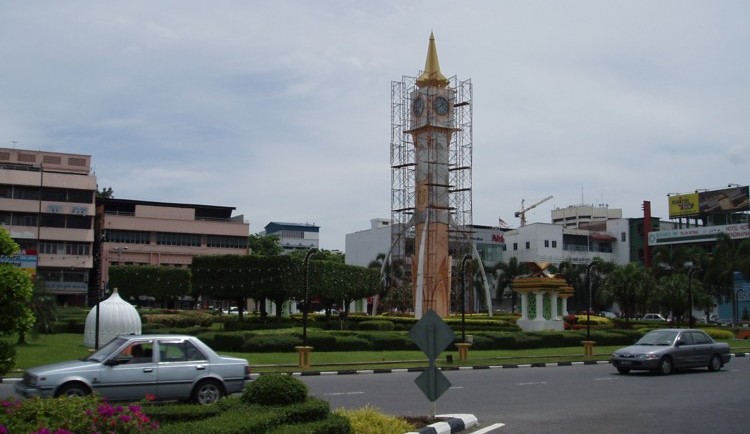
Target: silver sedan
[132, 367]
[665, 350]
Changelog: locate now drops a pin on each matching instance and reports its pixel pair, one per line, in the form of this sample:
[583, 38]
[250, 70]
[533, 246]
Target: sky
[281, 109]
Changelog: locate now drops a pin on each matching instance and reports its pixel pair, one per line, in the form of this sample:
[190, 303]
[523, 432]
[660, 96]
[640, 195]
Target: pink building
[135, 232]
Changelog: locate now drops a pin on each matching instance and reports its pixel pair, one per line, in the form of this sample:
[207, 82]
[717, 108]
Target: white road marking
[343, 393]
[531, 383]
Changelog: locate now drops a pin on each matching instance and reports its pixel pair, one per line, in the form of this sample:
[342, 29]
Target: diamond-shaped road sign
[432, 382]
[431, 334]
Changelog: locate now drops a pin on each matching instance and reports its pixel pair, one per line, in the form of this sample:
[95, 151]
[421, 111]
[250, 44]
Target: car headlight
[31, 380]
[646, 356]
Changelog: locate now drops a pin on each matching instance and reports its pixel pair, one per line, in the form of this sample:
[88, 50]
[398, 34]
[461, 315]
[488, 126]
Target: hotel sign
[698, 234]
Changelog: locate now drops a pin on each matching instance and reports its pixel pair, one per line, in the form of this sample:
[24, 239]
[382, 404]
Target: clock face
[441, 105]
[418, 106]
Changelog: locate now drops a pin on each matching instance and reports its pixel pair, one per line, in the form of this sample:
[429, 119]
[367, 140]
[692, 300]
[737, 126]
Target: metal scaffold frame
[403, 169]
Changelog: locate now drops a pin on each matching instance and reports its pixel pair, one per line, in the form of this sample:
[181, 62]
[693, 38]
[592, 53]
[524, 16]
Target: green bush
[233, 341]
[376, 325]
[275, 389]
[719, 334]
[310, 409]
[368, 420]
[352, 343]
[7, 357]
[239, 421]
[333, 424]
[391, 341]
[271, 343]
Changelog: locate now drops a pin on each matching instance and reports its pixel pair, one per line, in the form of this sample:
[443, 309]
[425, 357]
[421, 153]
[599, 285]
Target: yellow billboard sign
[681, 205]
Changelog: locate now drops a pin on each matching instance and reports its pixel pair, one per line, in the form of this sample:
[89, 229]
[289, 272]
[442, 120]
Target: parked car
[653, 317]
[665, 350]
[606, 314]
[169, 367]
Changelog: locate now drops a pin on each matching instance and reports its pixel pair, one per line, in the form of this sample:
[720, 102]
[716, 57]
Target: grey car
[130, 367]
[665, 350]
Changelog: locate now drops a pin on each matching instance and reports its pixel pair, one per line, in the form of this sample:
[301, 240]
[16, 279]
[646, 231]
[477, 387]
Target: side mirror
[117, 361]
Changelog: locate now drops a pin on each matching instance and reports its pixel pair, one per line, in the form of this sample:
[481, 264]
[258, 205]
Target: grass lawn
[46, 349]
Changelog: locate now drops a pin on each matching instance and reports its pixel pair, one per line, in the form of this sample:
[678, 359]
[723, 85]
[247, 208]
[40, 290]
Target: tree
[105, 193]
[16, 291]
[506, 273]
[165, 284]
[264, 245]
[630, 286]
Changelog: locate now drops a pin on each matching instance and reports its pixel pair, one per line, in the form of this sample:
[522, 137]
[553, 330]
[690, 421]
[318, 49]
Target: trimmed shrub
[719, 334]
[333, 424]
[376, 325]
[368, 420]
[271, 343]
[233, 341]
[275, 389]
[352, 343]
[391, 341]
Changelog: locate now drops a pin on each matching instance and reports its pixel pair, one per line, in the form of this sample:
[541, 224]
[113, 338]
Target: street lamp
[693, 269]
[463, 297]
[306, 300]
[589, 267]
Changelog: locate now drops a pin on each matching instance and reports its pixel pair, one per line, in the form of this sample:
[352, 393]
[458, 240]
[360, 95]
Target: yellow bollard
[304, 356]
[588, 349]
[463, 351]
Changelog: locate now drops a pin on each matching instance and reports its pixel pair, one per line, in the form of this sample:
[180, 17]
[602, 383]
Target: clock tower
[432, 124]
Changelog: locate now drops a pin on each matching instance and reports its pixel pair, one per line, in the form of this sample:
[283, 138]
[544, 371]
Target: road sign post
[432, 336]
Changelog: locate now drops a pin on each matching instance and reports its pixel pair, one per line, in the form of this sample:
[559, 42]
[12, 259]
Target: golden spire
[431, 75]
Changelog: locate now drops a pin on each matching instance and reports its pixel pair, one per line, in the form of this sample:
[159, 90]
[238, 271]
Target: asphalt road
[558, 399]
[564, 399]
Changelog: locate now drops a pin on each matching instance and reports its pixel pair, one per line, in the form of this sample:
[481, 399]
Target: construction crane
[522, 212]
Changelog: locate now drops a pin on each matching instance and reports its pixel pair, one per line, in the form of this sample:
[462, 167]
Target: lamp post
[463, 296]
[306, 301]
[693, 269]
[589, 267]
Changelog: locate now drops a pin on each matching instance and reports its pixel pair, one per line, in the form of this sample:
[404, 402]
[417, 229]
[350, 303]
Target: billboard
[733, 199]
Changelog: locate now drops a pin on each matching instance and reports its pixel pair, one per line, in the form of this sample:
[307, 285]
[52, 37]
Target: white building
[362, 247]
[554, 243]
[294, 236]
[574, 215]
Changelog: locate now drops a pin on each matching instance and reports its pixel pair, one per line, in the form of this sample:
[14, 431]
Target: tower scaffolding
[403, 164]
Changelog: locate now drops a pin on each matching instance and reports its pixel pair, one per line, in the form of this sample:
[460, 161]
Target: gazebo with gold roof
[543, 299]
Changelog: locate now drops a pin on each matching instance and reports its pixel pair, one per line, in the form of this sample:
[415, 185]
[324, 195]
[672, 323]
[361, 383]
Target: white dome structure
[116, 317]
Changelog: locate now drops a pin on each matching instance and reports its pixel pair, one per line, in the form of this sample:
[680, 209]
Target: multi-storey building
[136, 232]
[47, 205]
[575, 215]
[294, 236]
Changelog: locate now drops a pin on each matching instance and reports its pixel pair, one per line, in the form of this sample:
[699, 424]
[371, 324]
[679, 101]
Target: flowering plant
[73, 415]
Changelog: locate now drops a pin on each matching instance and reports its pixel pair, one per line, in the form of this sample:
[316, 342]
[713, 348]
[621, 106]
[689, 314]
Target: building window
[554, 244]
[177, 239]
[24, 219]
[515, 246]
[623, 236]
[225, 241]
[528, 245]
[546, 243]
[78, 249]
[128, 237]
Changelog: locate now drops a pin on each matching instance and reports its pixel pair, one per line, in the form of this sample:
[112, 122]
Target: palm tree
[630, 286]
[506, 273]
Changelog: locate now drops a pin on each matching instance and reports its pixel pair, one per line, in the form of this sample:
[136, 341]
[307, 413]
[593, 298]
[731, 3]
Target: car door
[704, 348]
[129, 375]
[684, 352]
[180, 365]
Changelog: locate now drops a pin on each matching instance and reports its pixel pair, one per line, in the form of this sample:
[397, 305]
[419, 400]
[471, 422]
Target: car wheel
[665, 366]
[73, 389]
[623, 370]
[207, 392]
[715, 363]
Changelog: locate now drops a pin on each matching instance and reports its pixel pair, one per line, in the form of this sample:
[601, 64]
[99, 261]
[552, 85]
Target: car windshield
[104, 352]
[658, 337]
